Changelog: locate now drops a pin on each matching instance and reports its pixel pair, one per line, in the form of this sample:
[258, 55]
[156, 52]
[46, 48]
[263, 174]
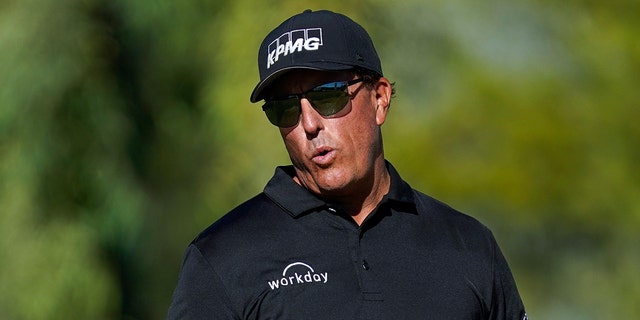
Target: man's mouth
[323, 156]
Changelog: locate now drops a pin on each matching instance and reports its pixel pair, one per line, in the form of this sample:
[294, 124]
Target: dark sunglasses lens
[283, 113]
[329, 102]
[328, 99]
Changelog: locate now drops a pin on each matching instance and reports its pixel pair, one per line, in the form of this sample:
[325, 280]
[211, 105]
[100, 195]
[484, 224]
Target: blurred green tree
[125, 129]
[526, 119]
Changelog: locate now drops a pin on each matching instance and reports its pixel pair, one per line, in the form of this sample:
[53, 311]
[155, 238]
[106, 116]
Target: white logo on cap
[294, 41]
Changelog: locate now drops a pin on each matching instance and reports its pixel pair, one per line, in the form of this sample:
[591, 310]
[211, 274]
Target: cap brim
[256, 95]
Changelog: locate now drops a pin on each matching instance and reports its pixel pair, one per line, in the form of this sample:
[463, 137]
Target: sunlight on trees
[126, 128]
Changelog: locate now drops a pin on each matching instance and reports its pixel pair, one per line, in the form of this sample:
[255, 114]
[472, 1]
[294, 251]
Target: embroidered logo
[294, 41]
[298, 273]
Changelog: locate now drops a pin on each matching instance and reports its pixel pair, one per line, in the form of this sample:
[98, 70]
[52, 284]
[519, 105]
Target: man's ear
[383, 91]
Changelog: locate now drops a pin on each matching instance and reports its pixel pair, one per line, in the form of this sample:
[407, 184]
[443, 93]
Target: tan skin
[339, 158]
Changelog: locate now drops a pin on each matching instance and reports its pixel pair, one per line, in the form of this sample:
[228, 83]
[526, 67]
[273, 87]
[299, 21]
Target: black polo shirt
[286, 254]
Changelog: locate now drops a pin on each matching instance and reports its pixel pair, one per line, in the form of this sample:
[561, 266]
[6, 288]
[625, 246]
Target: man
[338, 235]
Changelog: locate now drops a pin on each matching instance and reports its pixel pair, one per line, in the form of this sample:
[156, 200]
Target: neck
[366, 197]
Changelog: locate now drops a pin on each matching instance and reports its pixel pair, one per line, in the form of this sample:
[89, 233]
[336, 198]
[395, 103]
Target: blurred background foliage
[126, 128]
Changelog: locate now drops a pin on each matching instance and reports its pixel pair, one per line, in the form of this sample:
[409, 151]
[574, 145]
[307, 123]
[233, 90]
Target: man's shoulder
[450, 220]
[428, 207]
[241, 225]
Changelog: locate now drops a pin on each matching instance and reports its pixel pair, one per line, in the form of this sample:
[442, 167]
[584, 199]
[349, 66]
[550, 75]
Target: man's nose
[310, 119]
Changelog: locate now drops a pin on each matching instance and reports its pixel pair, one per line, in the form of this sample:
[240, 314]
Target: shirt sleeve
[199, 293]
[506, 301]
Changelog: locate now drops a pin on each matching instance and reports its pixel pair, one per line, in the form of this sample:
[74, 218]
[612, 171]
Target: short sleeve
[506, 301]
[199, 293]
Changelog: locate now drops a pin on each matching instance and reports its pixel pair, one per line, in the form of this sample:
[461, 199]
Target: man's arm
[199, 293]
[506, 301]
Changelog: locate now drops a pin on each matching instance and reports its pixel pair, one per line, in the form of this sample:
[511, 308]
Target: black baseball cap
[318, 40]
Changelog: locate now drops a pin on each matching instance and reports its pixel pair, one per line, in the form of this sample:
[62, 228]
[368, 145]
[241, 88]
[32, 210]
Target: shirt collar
[296, 200]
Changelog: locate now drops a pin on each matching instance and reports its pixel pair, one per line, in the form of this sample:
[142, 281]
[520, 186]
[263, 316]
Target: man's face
[337, 156]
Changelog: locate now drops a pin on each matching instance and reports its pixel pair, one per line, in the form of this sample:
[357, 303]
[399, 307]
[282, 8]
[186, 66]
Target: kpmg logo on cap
[294, 41]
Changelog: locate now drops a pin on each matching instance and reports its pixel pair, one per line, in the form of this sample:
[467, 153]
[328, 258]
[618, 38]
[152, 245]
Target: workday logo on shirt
[298, 273]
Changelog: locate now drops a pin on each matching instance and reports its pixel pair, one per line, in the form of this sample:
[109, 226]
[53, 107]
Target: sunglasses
[328, 99]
